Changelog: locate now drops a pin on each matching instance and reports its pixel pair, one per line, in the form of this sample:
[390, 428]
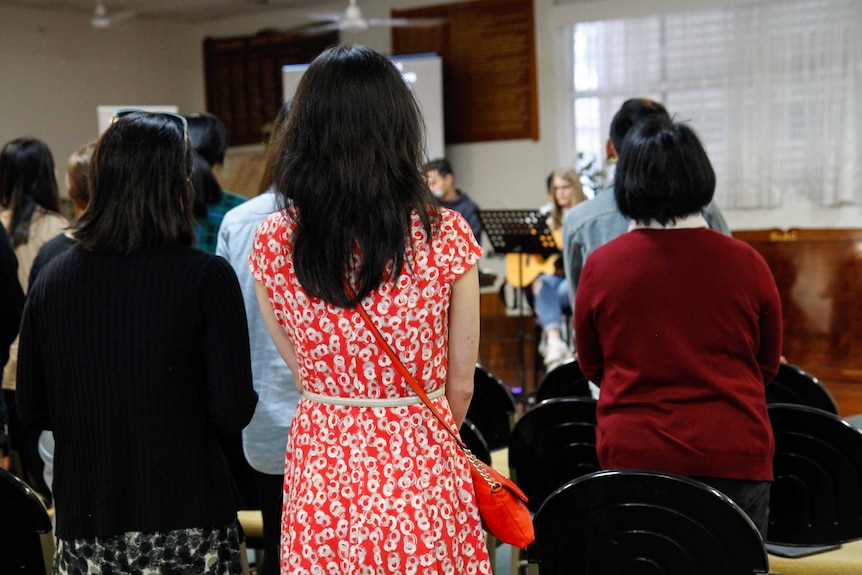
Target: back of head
[630, 113]
[78, 171]
[141, 197]
[27, 180]
[350, 160]
[439, 165]
[209, 137]
[663, 174]
[205, 187]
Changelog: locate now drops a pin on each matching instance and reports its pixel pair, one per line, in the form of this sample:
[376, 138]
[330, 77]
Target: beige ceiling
[184, 10]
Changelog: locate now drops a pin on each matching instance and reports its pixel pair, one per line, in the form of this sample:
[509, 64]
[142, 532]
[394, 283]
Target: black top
[49, 250]
[11, 296]
[138, 363]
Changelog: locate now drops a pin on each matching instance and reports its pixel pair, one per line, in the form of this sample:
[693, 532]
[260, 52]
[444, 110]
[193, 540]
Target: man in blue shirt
[264, 440]
[594, 223]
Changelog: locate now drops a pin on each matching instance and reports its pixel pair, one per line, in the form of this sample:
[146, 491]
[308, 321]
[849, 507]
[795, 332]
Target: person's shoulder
[231, 199]
[715, 219]
[56, 244]
[276, 227]
[49, 220]
[728, 244]
[58, 256]
[192, 258]
[253, 210]
[451, 221]
[465, 199]
[602, 206]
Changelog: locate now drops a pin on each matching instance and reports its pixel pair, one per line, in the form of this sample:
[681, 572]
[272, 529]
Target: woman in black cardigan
[134, 352]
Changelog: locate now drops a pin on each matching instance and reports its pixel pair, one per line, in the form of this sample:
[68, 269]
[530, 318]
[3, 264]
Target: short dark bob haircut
[141, 196]
[663, 173]
[350, 162]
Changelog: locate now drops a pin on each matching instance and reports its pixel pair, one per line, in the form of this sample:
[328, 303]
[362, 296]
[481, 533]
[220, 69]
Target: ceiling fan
[351, 20]
[101, 19]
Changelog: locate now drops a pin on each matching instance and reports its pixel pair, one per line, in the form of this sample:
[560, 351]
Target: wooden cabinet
[243, 77]
[489, 66]
[500, 343]
[819, 277]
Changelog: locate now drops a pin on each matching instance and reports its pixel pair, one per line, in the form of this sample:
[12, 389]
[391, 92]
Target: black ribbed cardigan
[137, 363]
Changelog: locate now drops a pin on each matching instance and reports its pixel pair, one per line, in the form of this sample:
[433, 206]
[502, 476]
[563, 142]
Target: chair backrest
[794, 385]
[552, 444]
[565, 380]
[644, 523]
[475, 442]
[816, 498]
[492, 408]
[26, 545]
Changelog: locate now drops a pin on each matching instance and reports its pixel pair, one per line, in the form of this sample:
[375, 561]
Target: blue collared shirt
[265, 438]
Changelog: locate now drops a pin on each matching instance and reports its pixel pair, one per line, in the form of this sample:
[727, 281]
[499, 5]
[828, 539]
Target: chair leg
[520, 566]
[243, 551]
[491, 543]
[47, 541]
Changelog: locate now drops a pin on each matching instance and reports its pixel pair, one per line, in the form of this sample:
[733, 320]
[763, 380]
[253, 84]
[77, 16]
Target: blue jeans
[551, 296]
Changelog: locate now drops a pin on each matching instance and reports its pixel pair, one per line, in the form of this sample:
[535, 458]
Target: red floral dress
[374, 490]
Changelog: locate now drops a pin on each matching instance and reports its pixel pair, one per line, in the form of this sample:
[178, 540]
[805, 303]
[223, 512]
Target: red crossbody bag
[502, 505]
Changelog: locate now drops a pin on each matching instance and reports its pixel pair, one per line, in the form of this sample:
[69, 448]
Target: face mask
[438, 193]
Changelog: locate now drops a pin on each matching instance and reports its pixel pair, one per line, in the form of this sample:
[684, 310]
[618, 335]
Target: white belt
[371, 402]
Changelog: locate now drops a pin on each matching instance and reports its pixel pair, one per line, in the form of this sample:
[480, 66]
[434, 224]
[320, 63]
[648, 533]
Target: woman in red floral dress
[373, 483]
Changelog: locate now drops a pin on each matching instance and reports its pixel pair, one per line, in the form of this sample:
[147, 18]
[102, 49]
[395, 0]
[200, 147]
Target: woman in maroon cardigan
[681, 328]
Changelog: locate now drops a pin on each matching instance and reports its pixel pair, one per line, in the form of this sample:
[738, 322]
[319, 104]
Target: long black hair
[141, 196]
[350, 162]
[27, 181]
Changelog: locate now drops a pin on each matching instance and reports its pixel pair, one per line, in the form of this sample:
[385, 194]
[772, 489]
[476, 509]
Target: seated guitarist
[550, 290]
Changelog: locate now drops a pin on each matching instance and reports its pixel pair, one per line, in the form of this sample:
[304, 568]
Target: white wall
[55, 70]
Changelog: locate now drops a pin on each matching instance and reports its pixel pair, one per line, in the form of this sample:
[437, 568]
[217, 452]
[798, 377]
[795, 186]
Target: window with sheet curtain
[774, 90]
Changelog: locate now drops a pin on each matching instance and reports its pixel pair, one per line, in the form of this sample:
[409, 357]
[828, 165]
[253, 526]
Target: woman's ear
[610, 151]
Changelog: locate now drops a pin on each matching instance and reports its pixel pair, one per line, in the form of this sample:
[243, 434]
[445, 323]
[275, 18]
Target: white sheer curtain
[772, 88]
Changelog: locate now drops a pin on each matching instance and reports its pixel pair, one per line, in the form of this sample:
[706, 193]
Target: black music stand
[519, 232]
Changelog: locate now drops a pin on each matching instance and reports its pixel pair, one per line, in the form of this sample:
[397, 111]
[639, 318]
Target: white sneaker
[556, 352]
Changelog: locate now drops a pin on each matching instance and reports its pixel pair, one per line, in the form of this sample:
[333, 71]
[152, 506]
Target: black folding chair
[816, 498]
[644, 522]
[565, 380]
[26, 543]
[492, 408]
[552, 444]
[795, 385]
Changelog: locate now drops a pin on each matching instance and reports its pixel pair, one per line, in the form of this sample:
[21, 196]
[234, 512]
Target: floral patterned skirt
[207, 551]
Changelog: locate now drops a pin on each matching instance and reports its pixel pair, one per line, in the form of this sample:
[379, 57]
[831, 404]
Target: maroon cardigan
[681, 328]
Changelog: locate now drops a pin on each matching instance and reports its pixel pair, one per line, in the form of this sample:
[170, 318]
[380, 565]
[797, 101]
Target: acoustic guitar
[523, 269]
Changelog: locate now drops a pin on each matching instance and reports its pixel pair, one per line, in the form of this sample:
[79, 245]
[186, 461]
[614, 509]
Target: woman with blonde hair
[550, 290]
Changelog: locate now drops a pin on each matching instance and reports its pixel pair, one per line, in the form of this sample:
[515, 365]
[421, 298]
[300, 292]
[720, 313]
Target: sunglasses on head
[177, 120]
